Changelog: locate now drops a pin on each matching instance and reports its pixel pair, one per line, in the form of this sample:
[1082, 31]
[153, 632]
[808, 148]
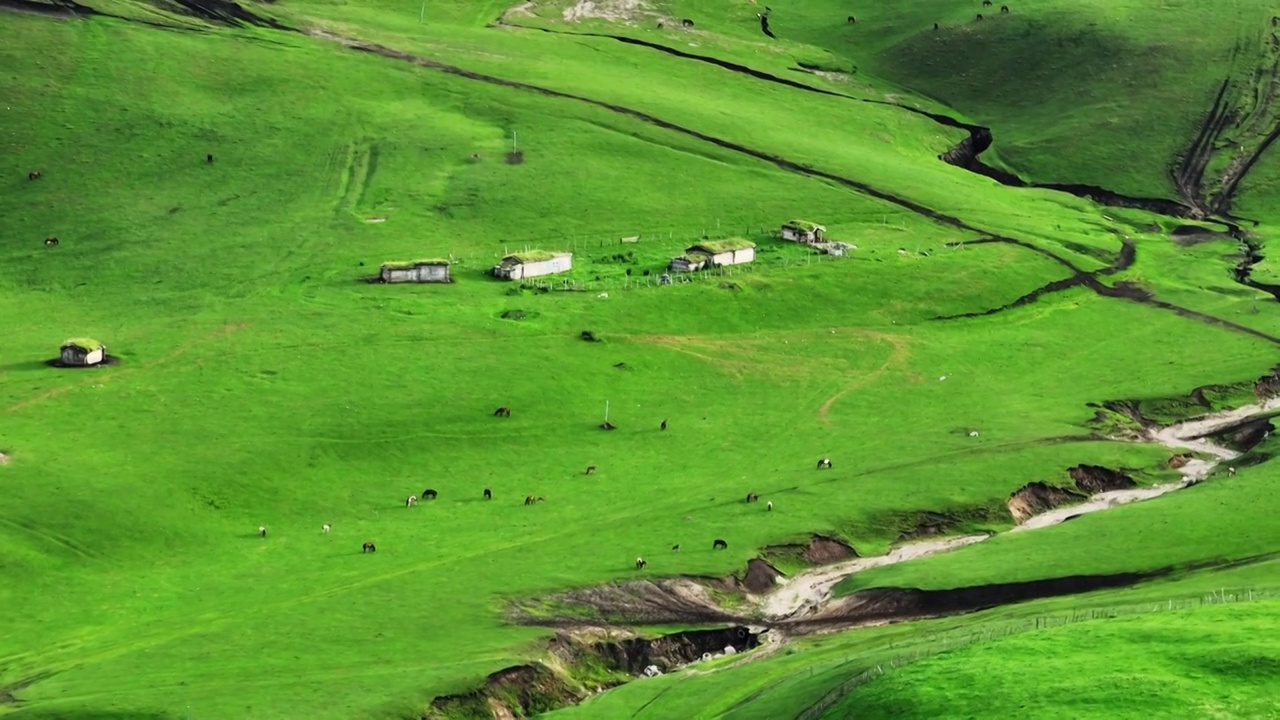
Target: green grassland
[261, 382]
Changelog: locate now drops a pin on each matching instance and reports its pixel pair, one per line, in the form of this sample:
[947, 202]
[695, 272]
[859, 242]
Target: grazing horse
[986, 3]
[851, 20]
[33, 175]
[1004, 9]
[488, 494]
[675, 548]
[50, 241]
[824, 463]
[719, 545]
[262, 531]
[663, 426]
[529, 499]
[368, 547]
[661, 25]
[769, 506]
[686, 23]
[209, 158]
[935, 26]
[326, 528]
[429, 494]
[591, 469]
[411, 501]
[503, 411]
[979, 16]
[752, 497]
[640, 563]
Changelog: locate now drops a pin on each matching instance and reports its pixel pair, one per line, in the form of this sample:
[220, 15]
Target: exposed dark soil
[671, 651]
[519, 691]
[1245, 436]
[928, 524]
[760, 576]
[1268, 386]
[820, 550]
[1093, 479]
[1035, 498]
[633, 602]
[218, 12]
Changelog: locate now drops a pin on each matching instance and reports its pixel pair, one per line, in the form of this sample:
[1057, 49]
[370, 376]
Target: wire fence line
[958, 639]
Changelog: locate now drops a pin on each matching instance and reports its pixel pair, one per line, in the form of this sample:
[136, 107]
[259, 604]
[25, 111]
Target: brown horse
[1004, 9]
[752, 497]
[686, 23]
[675, 548]
[33, 175]
[368, 547]
[529, 499]
[50, 241]
[851, 20]
[503, 411]
[591, 469]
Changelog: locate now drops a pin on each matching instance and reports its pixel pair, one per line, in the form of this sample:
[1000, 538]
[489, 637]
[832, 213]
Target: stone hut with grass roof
[533, 263]
[416, 271]
[83, 351]
[802, 231]
[710, 253]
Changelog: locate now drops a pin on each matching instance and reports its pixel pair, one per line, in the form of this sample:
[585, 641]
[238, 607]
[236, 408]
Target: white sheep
[973, 433]
[326, 528]
[411, 501]
[768, 505]
[262, 531]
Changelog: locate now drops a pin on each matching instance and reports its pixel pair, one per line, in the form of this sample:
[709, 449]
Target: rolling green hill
[225, 180]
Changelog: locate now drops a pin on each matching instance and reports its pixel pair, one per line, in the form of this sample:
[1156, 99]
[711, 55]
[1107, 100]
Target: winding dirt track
[807, 593]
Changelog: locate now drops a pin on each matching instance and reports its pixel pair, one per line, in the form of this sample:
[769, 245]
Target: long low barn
[734, 251]
[421, 271]
[533, 263]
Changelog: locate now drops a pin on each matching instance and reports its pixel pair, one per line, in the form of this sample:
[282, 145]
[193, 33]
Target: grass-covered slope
[261, 382]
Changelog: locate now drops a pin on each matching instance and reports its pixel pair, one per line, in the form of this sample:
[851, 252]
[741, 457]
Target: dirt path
[808, 592]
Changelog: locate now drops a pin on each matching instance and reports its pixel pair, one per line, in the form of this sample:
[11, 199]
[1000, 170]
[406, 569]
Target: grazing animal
[33, 175]
[719, 545]
[752, 497]
[686, 23]
[824, 463]
[640, 563]
[411, 501]
[769, 506]
[262, 531]
[979, 16]
[660, 25]
[591, 469]
[1231, 472]
[675, 548]
[368, 547]
[1004, 9]
[529, 499]
[488, 494]
[429, 494]
[973, 433]
[208, 158]
[986, 3]
[502, 412]
[325, 528]
[540, 499]
[606, 425]
[663, 426]
[935, 26]
[851, 20]
[50, 241]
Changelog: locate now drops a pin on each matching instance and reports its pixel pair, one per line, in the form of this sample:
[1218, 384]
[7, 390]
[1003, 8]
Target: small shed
[532, 264]
[802, 231]
[83, 351]
[417, 271]
[734, 251]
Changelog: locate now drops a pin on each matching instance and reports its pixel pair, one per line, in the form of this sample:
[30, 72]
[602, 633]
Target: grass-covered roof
[719, 246]
[803, 225]
[406, 264]
[531, 256]
[86, 344]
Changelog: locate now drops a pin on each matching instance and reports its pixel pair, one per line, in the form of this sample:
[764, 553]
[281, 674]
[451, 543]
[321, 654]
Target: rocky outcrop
[1093, 479]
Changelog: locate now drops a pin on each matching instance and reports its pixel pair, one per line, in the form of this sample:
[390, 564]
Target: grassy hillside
[259, 381]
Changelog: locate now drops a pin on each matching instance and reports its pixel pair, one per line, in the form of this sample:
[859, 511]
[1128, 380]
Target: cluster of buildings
[535, 263]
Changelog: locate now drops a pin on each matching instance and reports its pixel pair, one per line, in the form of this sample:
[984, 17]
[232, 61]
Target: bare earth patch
[4, 459]
[604, 9]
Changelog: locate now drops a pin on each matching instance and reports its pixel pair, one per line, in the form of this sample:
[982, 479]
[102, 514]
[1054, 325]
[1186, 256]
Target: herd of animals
[641, 563]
